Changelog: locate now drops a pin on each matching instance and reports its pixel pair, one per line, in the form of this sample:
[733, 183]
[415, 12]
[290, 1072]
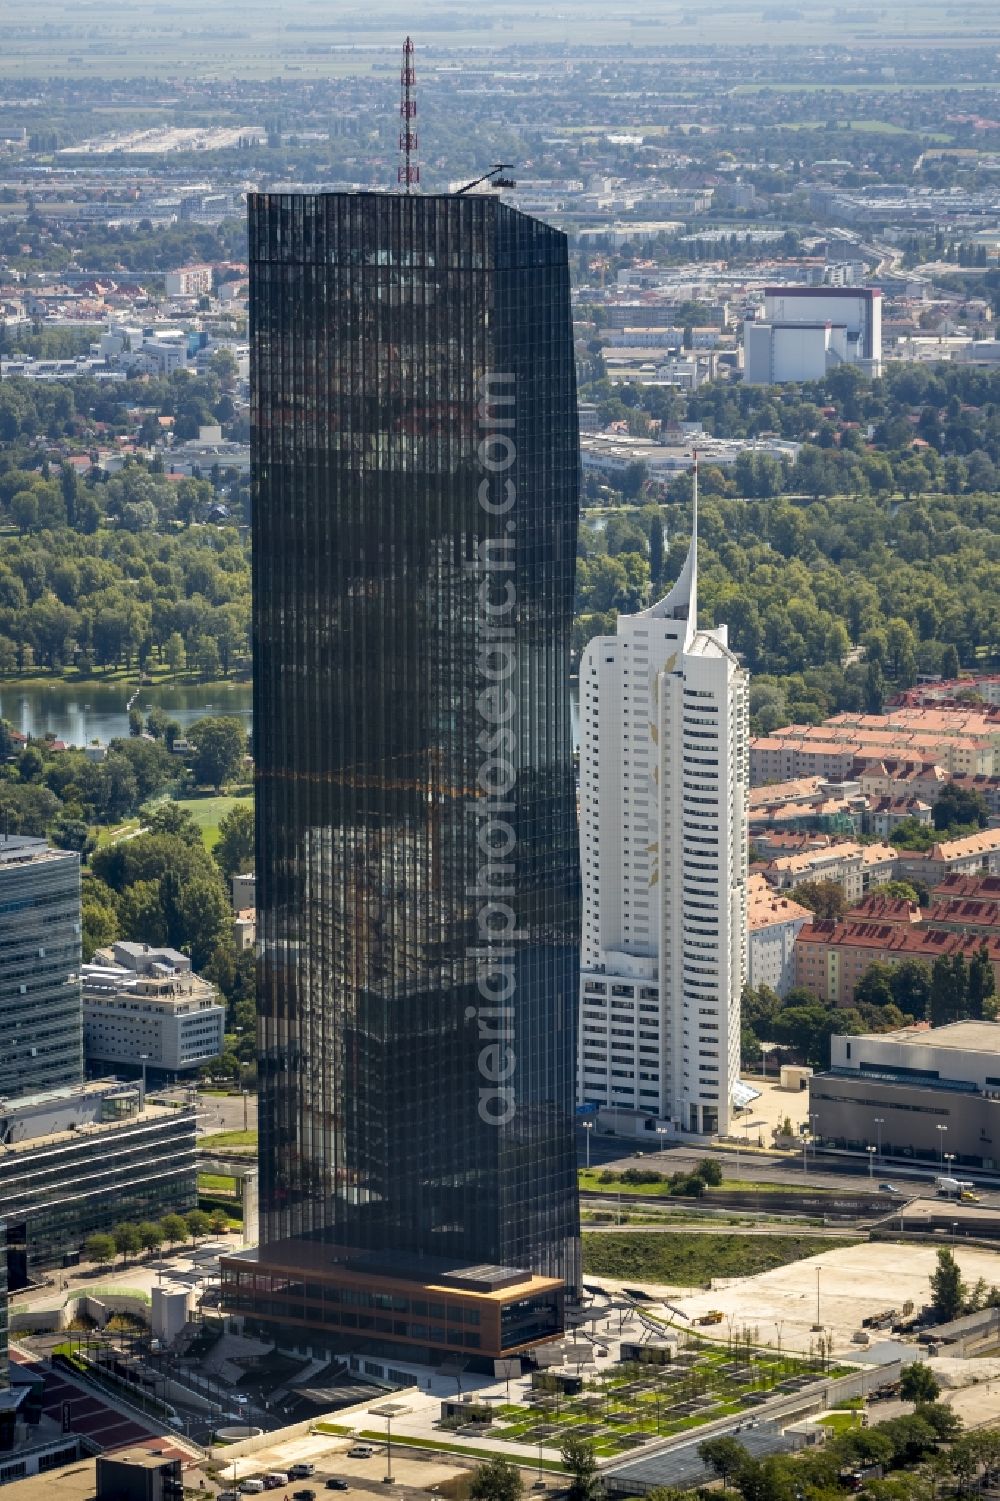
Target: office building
[415, 511]
[144, 1005]
[40, 1015]
[663, 819]
[84, 1159]
[805, 332]
[929, 1094]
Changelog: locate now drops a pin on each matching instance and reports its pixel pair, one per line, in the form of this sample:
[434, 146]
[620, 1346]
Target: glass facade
[57, 1190]
[41, 1012]
[415, 510]
[352, 1305]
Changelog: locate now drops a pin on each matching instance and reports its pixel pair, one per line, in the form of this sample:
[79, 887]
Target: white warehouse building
[664, 776]
[804, 332]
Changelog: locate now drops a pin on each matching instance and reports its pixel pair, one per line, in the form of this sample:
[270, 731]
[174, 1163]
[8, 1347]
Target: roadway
[841, 1174]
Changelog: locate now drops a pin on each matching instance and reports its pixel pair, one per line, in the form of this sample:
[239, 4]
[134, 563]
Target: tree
[235, 848]
[220, 744]
[918, 1383]
[127, 1239]
[948, 1291]
[496, 1480]
[960, 806]
[948, 989]
[198, 1223]
[99, 1248]
[580, 1460]
[174, 1228]
[709, 1170]
[219, 1222]
[980, 986]
[151, 1235]
[825, 898]
[724, 1456]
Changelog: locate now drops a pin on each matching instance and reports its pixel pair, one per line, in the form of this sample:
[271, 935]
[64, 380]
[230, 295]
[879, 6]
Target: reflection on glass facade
[415, 509]
[41, 1012]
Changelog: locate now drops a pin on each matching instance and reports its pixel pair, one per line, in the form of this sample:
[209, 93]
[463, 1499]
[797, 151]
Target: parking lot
[329, 1455]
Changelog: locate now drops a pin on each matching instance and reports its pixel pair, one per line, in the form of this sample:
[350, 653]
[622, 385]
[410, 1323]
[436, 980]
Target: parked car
[304, 1495]
[360, 1451]
[888, 1188]
[336, 1484]
[301, 1471]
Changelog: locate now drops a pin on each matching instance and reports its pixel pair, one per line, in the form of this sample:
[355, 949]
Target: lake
[82, 712]
[85, 712]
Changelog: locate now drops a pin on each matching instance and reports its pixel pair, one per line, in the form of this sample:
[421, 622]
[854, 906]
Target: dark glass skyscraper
[415, 512]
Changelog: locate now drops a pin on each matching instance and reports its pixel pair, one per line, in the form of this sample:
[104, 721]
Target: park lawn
[693, 1260]
[237, 1143]
[208, 813]
[216, 1183]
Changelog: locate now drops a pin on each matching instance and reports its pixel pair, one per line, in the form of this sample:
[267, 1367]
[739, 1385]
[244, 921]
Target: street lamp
[388, 1443]
[949, 1158]
[143, 1059]
[662, 1131]
[941, 1130]
[871, 1162]
[588, 1126]
[818, 1324]
[879, 1123]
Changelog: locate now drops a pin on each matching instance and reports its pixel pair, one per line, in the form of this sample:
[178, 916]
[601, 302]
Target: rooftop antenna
[494, 177]
[407, 172]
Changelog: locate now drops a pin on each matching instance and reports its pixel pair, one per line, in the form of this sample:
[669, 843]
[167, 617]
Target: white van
[251, 1487]
[274, 1480]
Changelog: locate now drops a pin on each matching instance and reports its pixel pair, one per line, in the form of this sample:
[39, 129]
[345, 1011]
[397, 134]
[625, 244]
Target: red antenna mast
[408, 172]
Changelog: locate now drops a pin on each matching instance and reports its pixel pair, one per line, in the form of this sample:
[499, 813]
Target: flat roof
[431, 1272]
[73, 1482]
[143, 1459]
[150, 1115]
[17, 849]
[969, 1037]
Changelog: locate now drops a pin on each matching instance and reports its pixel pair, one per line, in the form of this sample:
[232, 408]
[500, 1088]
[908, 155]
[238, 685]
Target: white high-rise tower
[663, 842]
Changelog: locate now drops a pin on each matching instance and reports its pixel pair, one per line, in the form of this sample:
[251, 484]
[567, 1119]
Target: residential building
[82, 1159]
[145, 1005]
[804, 332]
[773, 924]
[188, 281]
[245, 930]
[964, 904]
[975, 854]
[832, 955]
[417, 869]
[855, 867]
[929, 1094]
[663, 821]
[244, 889]
[958, 741]
[923, 780]
[885, 814]
[40, 1012]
